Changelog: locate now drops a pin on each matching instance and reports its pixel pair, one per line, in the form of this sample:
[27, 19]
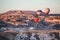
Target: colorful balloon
[35, 20]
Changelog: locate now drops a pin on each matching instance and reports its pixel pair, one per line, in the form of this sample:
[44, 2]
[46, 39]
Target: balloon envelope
[35, 20]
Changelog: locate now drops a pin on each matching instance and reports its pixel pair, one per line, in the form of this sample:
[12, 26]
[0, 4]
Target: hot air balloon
[35, 20]
[46, 11]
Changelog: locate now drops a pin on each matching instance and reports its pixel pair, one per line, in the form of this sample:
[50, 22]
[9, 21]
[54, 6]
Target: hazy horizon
[33, 5]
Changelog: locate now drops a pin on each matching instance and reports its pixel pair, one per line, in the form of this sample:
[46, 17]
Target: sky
[6, 5]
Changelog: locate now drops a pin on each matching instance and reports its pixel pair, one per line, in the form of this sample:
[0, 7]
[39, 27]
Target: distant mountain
[54, 14]
[18, 11]
[26, 12]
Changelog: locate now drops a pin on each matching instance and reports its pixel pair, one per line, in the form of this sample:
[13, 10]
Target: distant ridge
[26, 12]
[53, 14]
[18, 11]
